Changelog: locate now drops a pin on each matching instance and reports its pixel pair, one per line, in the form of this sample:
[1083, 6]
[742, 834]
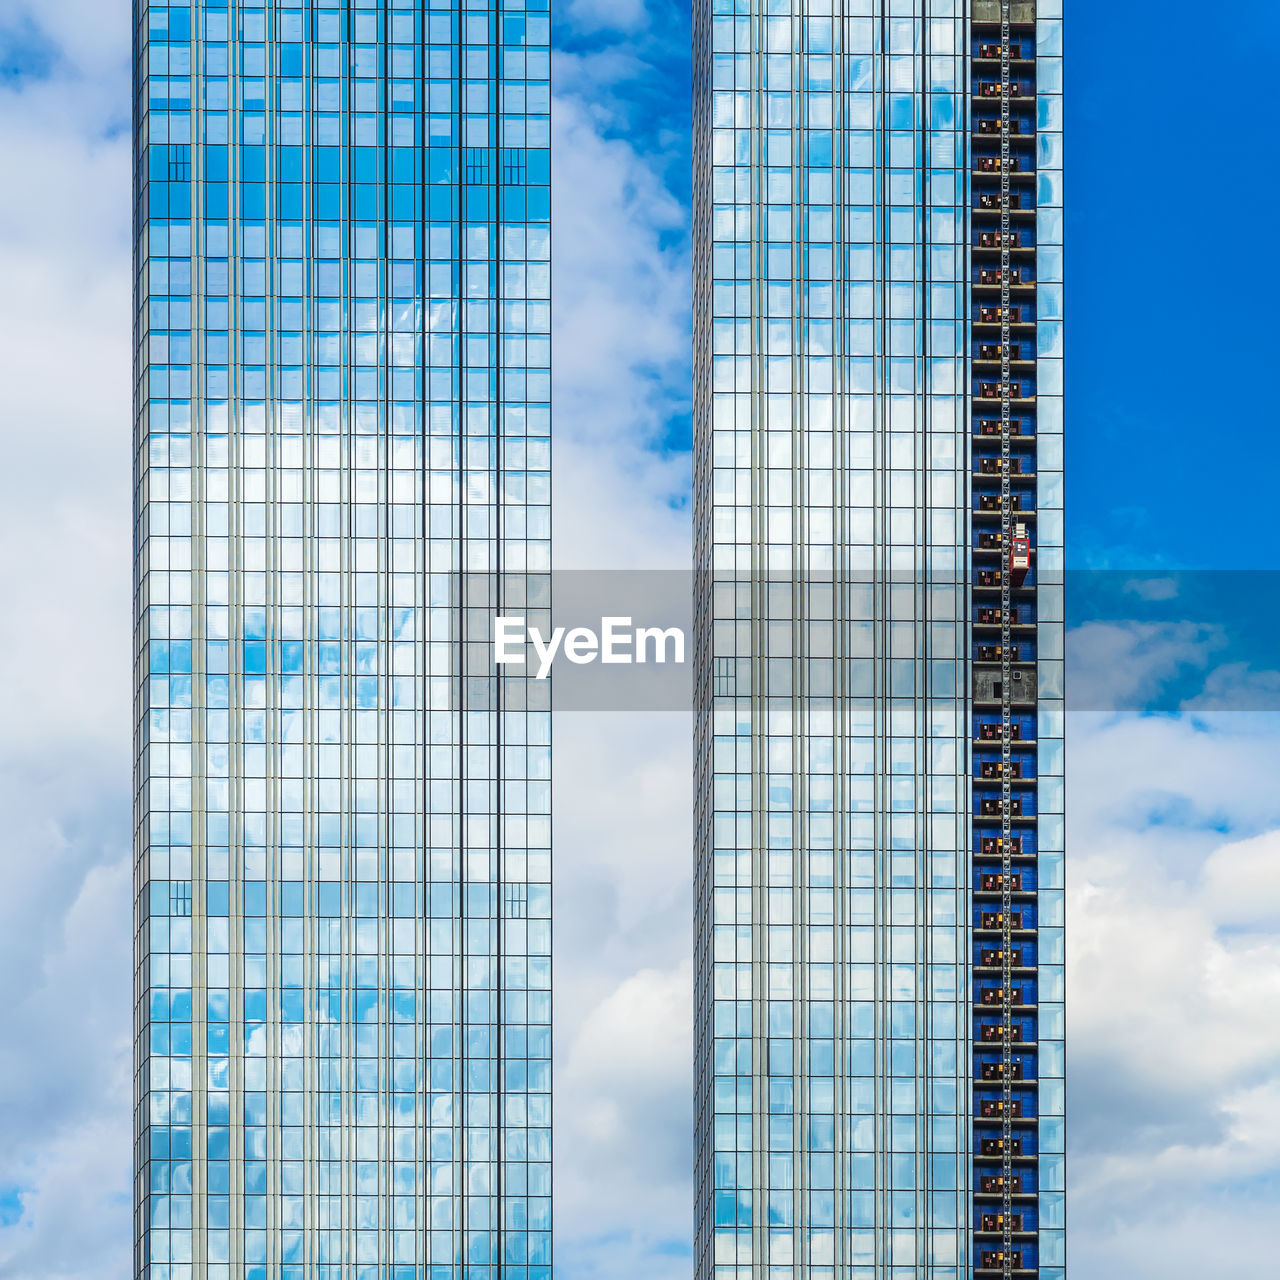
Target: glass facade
[342, 466]
[839, 1008]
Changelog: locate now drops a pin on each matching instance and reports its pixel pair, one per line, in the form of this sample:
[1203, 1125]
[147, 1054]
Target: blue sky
[1174, 819]
[1172, 441]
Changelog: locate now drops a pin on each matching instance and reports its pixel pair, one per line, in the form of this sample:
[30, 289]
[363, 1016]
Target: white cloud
[1160, 989]
[65, 395]
[66, 860]
[1242, 882]
[624, 1161]
[1123, 665]
[1228, 1237]
[624, 1198]
[621, 341]
[91, 41]
[1185, 780]
[626, 1107]
[607, 16]
[65, 1076]
[1173, 993]
[1149, 588]
[624, 1118]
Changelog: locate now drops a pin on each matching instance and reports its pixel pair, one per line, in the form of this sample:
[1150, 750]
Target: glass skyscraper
[878, 520]
[342, 468]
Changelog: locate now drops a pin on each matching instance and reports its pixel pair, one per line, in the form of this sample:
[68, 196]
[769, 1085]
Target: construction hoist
[1006, 672]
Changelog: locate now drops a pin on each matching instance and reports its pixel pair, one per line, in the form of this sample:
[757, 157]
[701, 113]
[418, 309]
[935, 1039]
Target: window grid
[343, 1041]
[832, 518]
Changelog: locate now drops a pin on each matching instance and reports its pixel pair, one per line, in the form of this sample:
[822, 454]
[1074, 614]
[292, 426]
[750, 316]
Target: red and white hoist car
[1019, 555]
